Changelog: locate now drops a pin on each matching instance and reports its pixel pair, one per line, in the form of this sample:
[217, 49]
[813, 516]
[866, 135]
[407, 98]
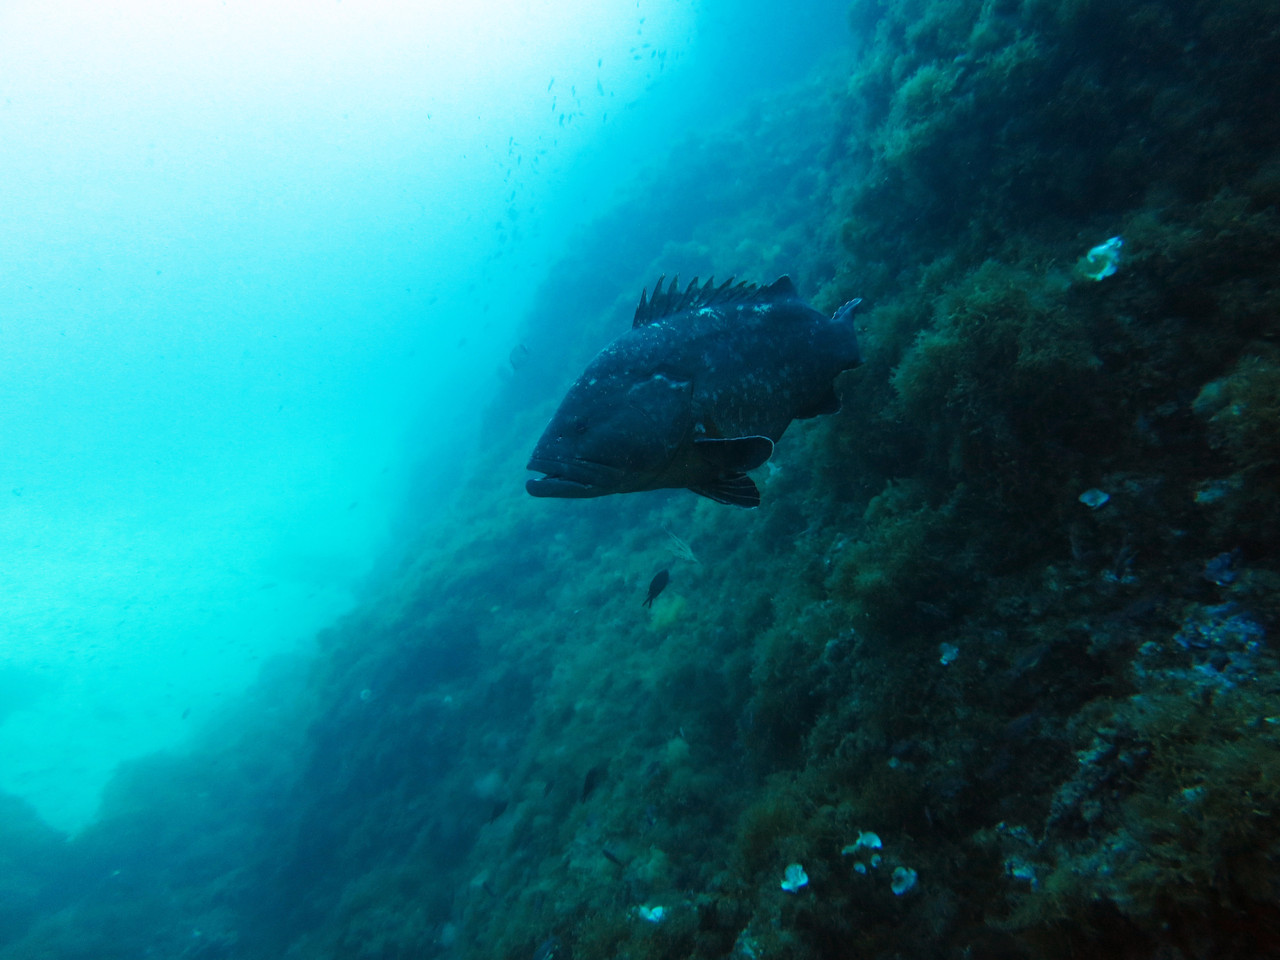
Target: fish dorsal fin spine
[673, 300]
[780, 289]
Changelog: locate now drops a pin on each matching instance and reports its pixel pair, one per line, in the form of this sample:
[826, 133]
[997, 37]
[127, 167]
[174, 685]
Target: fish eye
[580, 426]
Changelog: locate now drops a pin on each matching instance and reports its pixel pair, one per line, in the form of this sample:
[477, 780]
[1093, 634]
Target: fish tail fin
[848, 349]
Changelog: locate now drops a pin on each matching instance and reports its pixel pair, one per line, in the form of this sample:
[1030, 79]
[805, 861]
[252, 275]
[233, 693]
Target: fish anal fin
[735, 454]
[737, 490]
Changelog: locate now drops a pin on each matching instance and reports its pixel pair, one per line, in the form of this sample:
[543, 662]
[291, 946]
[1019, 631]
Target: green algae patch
[904, 557]
[667, 611]
[1242, 410]
[925, 632]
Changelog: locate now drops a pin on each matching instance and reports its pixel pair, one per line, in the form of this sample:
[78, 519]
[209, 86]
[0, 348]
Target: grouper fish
[696, 393]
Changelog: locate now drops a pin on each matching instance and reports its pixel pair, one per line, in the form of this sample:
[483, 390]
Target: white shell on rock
[794, 878]
[904, 878]
[1093, 498]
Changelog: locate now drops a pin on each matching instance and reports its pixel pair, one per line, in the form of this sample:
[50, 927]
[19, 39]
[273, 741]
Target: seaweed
[1060, 712]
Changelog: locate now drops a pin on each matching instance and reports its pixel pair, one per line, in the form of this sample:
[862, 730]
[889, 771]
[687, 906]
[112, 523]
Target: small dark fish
[1030, 659]
[595, 776]
[656, 586]
[1020, 726]
[519, 354]
[612, 857]
[696, 393]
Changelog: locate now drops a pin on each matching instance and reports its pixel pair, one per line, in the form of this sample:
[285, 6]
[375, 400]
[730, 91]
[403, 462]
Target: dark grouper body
[695, 393]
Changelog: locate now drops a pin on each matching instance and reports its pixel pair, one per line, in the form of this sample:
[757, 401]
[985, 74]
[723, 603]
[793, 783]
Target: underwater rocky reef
[993, 665]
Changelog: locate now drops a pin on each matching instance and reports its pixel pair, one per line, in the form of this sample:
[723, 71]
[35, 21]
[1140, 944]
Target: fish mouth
[576, 479]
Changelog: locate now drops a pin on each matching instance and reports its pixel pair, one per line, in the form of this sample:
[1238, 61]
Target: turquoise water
[262, 265]
[291, 665]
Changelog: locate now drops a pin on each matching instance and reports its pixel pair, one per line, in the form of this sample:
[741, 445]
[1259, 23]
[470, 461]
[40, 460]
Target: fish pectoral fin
[735, 454]
[737, 490]
[829, 402]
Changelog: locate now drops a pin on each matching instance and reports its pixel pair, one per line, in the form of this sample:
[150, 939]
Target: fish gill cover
[1056, 717]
